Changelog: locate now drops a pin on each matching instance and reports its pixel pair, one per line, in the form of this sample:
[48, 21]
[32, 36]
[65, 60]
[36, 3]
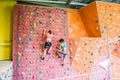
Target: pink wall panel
[29, 22]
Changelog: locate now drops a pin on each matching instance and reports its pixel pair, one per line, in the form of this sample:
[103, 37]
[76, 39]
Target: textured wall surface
[98, 58]
[29, 22]
[109, 18]
[93, 42]
[89, 17]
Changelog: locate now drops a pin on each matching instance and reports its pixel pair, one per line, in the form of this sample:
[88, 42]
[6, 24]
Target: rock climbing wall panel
[109, 17]
[89, 17]
[29, 22]
[92, 42]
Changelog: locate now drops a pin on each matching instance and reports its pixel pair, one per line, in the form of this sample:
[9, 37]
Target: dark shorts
[48, 44]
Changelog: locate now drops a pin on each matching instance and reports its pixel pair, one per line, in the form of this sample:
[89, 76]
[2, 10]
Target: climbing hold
[26, 42]
[41, 23]
[34, 25]
[23, 74]
[40, 72]
[33, 77]
[85, 44]
[19, 38]
[20, 16]
[68, 68]
[49, 17]
[30, 73]
[105, 27]
[64, 34]
[96, 21]
[34, 46]
[30, 38]
[31, 13]
[71, 50]
[71, 57]
[107, 21]
[19, 46]
[18, 58]
[102, 31]
[110, 14]
[30, 61]
[41, 42]
[70, 43]
[33, 28]
[41, 46]
[19, 54]
[119, 36]
[91, 54]
[34, 33]
[110, 5]
[23, 35]
[118, 40]
[40, 53]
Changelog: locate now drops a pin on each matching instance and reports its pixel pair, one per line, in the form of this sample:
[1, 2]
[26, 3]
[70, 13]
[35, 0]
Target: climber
[47, 36]
[62, 50]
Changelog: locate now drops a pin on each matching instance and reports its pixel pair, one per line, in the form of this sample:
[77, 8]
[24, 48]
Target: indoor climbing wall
[109, 17]
[91, 51]
[29, 22]
[92, 42]
[98, 58]
[76, 29]
[89, 17]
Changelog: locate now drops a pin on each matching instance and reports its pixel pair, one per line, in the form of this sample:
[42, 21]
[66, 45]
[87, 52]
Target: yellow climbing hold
[41, 42]
[40, 53]
[34, 25]
[31, 13]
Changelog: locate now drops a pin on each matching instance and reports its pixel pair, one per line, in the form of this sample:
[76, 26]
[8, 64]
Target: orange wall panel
[90, 19]
[76, 27]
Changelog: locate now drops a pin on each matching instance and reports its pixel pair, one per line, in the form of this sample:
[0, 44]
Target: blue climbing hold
[30, 38]
[41, 23]
[65, 34]
[40, 72]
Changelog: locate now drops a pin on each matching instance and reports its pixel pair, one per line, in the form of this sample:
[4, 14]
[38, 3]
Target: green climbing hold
[20, 16]
[19, 38]
[19, 58]
[34, 32]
